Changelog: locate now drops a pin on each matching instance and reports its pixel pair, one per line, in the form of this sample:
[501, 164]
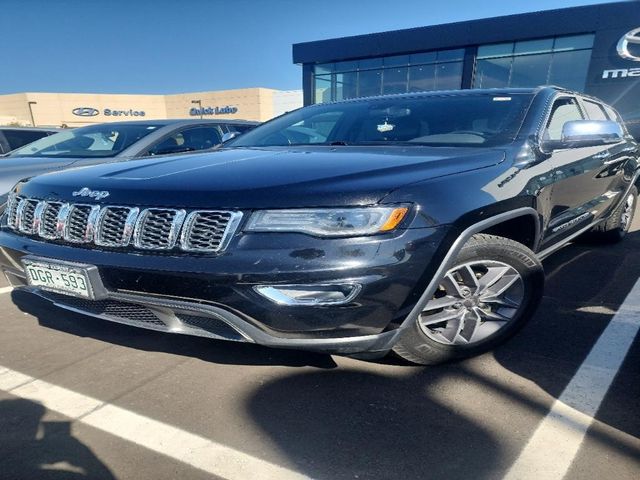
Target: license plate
[63, 278]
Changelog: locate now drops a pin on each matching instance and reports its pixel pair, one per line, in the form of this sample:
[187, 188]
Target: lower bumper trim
[177, 316]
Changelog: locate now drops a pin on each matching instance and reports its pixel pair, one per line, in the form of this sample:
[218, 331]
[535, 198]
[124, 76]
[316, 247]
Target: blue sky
[170, 46]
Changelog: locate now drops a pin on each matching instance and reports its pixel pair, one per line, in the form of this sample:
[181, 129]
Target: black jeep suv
[413, 223]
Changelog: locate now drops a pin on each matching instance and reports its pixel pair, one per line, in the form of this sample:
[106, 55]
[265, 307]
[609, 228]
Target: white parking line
[186, 447]
[550, 451]
[5, 290]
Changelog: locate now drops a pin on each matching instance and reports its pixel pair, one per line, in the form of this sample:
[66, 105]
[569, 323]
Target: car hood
[263, 177]
[60, 158]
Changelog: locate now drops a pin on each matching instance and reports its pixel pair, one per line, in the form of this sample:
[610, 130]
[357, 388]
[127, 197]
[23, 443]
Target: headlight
[325, 222]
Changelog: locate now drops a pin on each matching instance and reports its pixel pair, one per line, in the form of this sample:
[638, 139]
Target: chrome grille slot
[115, 226]
[158, 228]
[12, 210]
[26, 215]
[208, 230]
[78, 228]
[49, 220]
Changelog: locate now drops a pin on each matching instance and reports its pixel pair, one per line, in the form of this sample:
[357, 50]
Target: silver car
[115, 141]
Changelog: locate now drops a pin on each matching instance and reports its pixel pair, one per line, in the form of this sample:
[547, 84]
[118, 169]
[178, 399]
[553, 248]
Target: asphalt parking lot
[127, 403]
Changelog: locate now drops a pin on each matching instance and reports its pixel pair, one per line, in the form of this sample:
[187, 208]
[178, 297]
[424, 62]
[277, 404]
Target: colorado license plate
[72, 280]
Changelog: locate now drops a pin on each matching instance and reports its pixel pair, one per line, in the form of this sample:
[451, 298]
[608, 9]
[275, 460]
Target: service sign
[107, 112]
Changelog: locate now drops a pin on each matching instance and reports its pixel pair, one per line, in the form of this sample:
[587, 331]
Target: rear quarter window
[595, 111]
[612, 114]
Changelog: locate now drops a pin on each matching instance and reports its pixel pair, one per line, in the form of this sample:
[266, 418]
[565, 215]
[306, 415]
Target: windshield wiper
[338, 143]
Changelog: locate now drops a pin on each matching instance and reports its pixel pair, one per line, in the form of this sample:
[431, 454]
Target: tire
[619, 222]
[474, 317]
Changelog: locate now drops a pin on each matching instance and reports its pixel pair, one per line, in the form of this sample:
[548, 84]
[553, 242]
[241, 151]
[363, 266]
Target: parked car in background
[414, 223]
[16, 137]
[109, 142]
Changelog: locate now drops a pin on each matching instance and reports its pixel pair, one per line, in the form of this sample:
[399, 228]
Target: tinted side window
[563, 111]
[4, 146]
[240, 128]
[19, 138]
[188, 140]
[594, 111]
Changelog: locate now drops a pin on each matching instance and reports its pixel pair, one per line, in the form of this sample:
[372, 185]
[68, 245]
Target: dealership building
[78, 109]
[592, 49]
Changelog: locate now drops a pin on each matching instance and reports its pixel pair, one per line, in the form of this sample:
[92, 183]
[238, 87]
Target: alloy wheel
[627, 213]
[473, 302]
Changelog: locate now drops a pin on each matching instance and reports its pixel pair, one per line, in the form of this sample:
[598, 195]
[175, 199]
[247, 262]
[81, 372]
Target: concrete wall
[14, 109]
[285, 101]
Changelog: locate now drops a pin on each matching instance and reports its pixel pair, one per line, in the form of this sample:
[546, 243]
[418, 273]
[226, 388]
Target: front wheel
[489, 293]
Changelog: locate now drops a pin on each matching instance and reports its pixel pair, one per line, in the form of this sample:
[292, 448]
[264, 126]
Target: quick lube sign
[228, 110]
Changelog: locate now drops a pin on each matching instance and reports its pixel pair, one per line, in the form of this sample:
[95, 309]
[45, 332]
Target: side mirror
[586, 133]
[229, 135]
[589, 133]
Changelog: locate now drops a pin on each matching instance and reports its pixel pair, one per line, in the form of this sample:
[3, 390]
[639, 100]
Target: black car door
[615, 158]
[582, 189]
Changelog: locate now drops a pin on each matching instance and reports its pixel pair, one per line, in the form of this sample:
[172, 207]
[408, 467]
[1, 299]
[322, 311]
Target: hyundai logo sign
[85, 112]
[624, 49]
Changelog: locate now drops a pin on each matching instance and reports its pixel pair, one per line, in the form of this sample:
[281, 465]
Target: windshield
[480, 120]
[105, 140]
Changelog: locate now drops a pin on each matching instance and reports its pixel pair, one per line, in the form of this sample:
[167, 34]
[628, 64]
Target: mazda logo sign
[630, 38]
[85, 112]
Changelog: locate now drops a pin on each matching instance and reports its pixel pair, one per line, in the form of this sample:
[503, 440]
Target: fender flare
[452, 253]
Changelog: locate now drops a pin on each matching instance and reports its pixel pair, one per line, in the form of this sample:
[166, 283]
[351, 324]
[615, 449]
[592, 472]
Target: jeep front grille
[120, 226]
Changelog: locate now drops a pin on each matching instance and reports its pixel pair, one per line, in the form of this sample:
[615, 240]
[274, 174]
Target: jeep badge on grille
[86, 192]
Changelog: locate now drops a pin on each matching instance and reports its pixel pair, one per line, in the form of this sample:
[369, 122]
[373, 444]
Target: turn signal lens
[394, 219]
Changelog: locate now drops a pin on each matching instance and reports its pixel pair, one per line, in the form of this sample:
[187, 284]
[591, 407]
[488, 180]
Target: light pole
[33, 123]
[199, 103]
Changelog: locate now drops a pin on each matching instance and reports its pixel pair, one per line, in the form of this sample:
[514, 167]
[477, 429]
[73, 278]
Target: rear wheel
[490, 292]
[619, 222]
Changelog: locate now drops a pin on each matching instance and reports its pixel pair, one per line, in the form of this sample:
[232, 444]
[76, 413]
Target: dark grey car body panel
[14, 169]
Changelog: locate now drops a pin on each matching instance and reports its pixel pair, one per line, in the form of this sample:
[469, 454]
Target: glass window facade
[561, 61]
[441, 70]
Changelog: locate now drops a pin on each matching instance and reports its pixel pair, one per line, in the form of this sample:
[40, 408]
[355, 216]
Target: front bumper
[215, 296]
